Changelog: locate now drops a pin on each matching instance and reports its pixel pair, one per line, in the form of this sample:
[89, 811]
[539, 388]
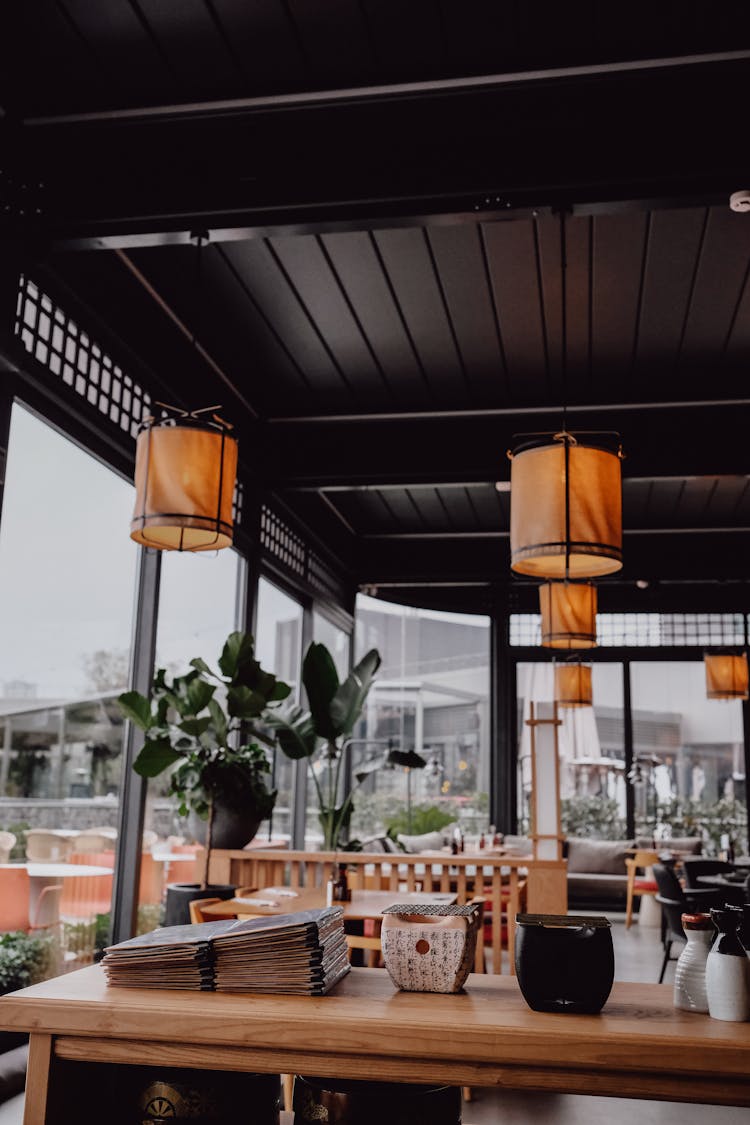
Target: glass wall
[688, 756]
[197, 612]
[591, 744]
[432, 696]
[67, 573]
[279, 649]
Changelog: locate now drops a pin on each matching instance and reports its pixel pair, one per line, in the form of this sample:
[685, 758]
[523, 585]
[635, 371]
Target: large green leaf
[295, 732]
[198, 694]
[346, 705]
[219, 720]
[280, 691]
[321, 681]
[195, 727]
[237, 651]
[155, 757]
[201, 666]
[136, 707]
[242, 703]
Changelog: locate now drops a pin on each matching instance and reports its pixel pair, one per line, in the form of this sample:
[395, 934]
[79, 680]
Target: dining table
[44, 910]
[731, 883]
[363, 905]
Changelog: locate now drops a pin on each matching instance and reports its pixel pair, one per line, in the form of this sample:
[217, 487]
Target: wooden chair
[7, 844]
[636, 885]
[372, 944]
[47, 847]
[91, 842]
[196, 910]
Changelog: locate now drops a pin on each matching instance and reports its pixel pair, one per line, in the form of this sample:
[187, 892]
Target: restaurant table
[363, 904]
[733, 888]
[640, 1046]
[43, 875]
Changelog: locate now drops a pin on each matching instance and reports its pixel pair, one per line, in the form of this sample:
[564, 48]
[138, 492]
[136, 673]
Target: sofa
[597, 877]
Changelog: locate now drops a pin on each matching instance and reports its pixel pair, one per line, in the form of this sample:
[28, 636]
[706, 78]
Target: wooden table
[639, 1047]
[363, 905]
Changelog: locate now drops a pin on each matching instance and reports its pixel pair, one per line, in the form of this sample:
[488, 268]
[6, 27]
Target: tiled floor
[638, 956]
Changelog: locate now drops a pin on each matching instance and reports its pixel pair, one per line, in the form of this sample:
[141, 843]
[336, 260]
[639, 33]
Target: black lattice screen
[55, 341]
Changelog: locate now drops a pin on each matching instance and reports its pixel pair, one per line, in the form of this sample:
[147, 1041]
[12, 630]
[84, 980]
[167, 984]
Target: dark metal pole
[627, 707]
[299, 793]
[133, 787]
[746, 738]
[503, 744]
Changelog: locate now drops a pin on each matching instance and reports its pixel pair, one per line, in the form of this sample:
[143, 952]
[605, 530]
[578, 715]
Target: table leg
[37, 1080]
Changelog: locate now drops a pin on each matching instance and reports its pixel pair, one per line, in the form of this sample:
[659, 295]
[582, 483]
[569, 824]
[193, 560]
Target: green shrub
[24, 959]
[19, 830]
[424, 818]
[597, 817]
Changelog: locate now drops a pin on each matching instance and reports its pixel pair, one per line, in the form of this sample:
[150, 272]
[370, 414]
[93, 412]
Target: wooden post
[547, 887]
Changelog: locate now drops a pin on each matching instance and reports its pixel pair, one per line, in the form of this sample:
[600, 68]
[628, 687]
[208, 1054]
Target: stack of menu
[302, 953]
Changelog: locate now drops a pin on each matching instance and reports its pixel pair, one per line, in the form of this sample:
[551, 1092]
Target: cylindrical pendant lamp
[573, 685]
[726, 675]
[566, 508]
[568, 614]
[185, 473]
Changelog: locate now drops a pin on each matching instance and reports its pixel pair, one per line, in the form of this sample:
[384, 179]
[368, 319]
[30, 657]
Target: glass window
[67, 572]
[591, 749]
[197, 612]
[279, 649]
[688, 756]
[431, 695]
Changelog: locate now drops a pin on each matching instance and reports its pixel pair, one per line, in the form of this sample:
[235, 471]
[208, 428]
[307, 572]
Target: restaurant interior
[418, 328]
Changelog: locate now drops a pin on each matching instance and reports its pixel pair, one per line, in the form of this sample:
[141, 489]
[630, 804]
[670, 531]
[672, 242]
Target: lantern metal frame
[174, 418]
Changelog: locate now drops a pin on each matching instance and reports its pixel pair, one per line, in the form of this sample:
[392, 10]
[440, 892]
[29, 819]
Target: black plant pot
[564, 963]
[232, 829]
[180, 895]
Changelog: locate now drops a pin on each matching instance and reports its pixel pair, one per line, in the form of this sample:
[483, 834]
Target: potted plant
[202, 727]
[322, 734]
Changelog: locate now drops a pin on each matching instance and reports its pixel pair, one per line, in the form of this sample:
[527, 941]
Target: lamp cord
[564, 324]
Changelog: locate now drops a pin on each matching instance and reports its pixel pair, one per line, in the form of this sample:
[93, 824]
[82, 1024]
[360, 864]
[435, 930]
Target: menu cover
[302, 953]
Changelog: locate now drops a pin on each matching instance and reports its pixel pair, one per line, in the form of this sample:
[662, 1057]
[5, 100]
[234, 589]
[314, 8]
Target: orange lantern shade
[726, 675]
[568, 614]
[573, 685]
[185, 474]
[566, 509]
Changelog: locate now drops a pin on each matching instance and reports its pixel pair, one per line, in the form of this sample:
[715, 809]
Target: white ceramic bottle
[728, 971]
[690, 971]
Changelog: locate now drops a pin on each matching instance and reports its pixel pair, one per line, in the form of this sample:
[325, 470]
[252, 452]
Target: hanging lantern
[726, 675]
[185, 472]
[568, 614]
[566, 508]
[573, 685]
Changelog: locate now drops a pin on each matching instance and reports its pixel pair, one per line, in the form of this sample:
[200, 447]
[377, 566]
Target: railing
[505, 883]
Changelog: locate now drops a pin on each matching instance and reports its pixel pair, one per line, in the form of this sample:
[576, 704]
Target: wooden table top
[364, 904]
[639, 1046]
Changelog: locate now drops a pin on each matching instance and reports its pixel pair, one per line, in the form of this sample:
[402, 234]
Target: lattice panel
[56, 342]
[322, 580]
[283, 543]
[645, 630]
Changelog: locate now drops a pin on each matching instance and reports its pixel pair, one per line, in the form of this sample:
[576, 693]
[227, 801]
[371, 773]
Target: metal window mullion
[503, 744]
[299, 790]
[133, 787]
[627, 707]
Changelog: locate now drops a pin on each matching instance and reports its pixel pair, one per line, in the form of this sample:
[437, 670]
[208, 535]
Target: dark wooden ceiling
[381, 302]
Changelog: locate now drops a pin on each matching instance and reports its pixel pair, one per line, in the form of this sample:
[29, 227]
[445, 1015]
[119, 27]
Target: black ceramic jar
[564, 963]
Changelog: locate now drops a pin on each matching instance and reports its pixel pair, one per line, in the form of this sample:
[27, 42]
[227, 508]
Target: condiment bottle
[690, 971]
[728, 970]
[341, 892]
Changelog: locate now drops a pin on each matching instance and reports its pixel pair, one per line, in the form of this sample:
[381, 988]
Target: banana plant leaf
[348, 701]
[409, 759]
[321, 682]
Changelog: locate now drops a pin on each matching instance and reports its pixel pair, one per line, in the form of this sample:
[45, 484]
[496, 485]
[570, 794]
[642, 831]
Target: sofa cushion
[688, 845]
[427, 842]
[597, 857]
[597, 887]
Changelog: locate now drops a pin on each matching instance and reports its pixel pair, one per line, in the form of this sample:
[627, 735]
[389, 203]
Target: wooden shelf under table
[639, 1046]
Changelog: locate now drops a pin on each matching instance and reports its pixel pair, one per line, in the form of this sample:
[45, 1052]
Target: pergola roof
[381, 301]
